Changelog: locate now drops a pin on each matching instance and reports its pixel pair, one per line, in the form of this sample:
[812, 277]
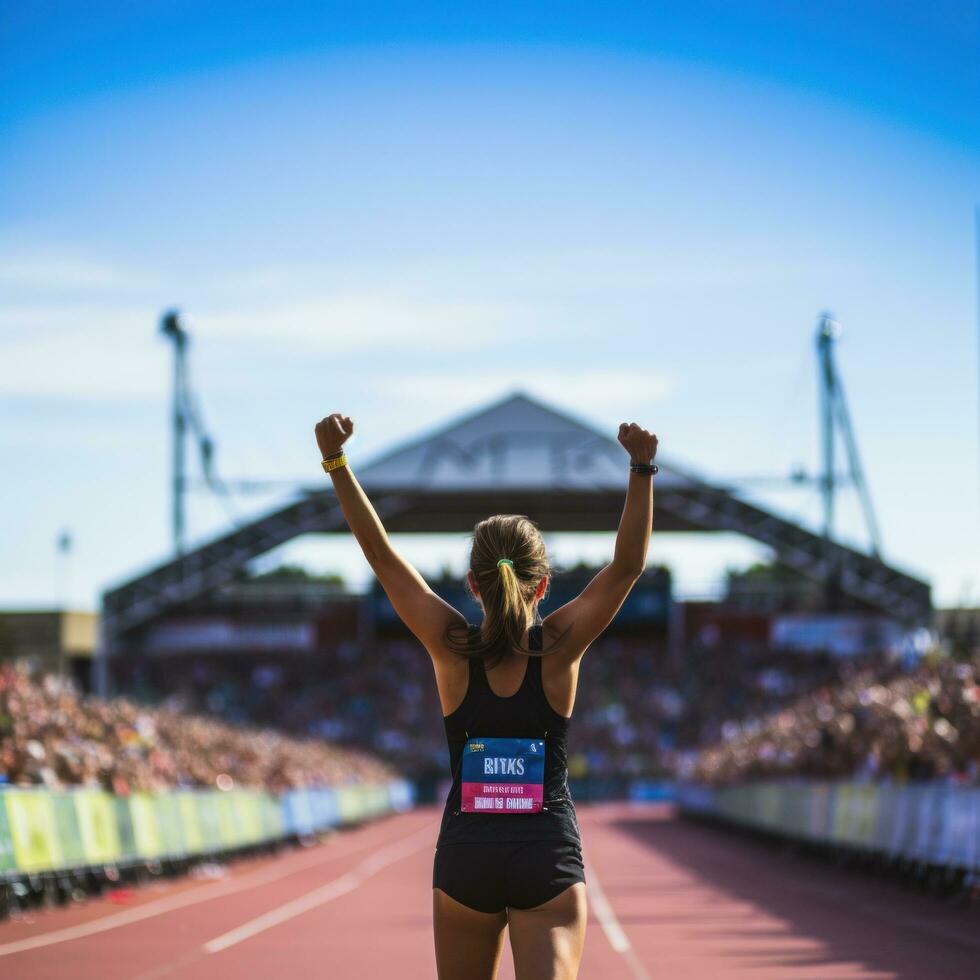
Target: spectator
[51, 736]
[922, 725]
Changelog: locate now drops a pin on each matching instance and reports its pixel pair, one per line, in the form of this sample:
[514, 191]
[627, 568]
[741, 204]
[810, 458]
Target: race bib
[503, 775]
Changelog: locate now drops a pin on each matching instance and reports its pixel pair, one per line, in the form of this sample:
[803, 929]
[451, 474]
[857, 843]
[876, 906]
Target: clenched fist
[332, 432]
[640, 444]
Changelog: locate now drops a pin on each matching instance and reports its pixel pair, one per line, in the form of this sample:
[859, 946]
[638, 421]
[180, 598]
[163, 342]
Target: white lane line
[162, 906]
[610, 924]
[325, 893]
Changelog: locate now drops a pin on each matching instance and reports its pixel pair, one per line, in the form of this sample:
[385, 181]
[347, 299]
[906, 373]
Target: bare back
[588, 615]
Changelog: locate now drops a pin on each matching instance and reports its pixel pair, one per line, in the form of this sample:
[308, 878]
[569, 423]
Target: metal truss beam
[698, 507]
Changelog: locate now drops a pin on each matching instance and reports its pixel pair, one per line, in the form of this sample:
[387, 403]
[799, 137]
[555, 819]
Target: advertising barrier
[930, 824]
[44, 830]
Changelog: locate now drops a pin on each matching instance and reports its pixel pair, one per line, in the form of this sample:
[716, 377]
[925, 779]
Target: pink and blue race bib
[503, 775]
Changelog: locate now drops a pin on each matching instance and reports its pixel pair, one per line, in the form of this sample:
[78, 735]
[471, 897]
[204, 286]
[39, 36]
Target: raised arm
[422, 611]
[636, 523]
[592, 611]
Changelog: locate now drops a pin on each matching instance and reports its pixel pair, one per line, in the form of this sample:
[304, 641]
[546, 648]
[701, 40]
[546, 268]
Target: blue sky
[634, 212]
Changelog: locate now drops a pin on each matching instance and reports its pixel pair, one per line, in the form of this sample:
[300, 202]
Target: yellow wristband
[333, 464]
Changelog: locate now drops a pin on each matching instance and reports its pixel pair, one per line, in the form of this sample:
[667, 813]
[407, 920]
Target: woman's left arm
[423, 612]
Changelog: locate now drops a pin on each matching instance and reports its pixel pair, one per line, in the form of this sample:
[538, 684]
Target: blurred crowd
[715, 711]
[386, 702]
[52, 736]
[636, 710]
[922, 724]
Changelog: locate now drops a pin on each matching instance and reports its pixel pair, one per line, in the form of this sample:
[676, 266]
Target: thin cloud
[364, 321]
[611, 391]
[64, 271]
[71, 352]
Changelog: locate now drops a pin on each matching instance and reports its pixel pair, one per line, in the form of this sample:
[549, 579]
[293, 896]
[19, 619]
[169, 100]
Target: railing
[930, 824]
[47, 831]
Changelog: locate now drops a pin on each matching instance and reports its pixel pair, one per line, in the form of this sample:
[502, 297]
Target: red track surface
[680, 901]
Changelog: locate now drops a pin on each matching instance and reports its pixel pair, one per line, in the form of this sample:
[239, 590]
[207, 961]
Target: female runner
[509, 848]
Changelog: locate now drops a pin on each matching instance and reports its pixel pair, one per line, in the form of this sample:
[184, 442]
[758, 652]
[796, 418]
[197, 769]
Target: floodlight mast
[173, 329]
[834, 414]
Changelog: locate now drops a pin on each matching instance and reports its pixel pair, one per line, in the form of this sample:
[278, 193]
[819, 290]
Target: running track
[668, 900]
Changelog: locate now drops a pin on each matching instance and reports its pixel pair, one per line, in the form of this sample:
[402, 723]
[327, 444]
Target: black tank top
[526, 714]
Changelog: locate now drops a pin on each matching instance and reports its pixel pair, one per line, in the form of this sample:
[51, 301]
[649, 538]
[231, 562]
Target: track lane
[176, 935]
[701, 902]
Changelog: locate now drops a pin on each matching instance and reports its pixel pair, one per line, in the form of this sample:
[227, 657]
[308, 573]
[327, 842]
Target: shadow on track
[833, 916]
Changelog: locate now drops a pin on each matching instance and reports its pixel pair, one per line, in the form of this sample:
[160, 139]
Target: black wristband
[645, 469]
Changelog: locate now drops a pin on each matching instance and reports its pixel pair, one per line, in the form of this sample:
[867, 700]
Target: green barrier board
[69, 834]
[124, 827]
[190, 822]
[847, 814]
[864, 806]
[169, 824]
[350, 804]
[272, 817]
[249, 816]
[33, 829]
[7, 862]
[231, 835]
[209, 818]
[97, 827]
[377, 799]
[145, 831]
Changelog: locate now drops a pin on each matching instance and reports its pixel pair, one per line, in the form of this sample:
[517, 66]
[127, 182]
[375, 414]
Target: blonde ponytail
[506, 588]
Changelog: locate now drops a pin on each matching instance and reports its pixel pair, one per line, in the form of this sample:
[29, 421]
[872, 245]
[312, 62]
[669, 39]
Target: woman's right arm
[591, 612]
[636, 524]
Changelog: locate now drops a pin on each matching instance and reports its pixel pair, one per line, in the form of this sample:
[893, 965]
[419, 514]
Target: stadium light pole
[172, 328]
[834, 414]
[827, 331]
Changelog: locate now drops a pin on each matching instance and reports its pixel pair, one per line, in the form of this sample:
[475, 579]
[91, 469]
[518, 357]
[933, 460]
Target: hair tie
[502, 560]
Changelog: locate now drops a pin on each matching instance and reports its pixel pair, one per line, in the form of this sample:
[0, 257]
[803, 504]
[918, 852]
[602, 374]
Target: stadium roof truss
[517, 455]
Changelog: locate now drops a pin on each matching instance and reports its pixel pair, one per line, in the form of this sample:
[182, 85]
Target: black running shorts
[501, 874]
